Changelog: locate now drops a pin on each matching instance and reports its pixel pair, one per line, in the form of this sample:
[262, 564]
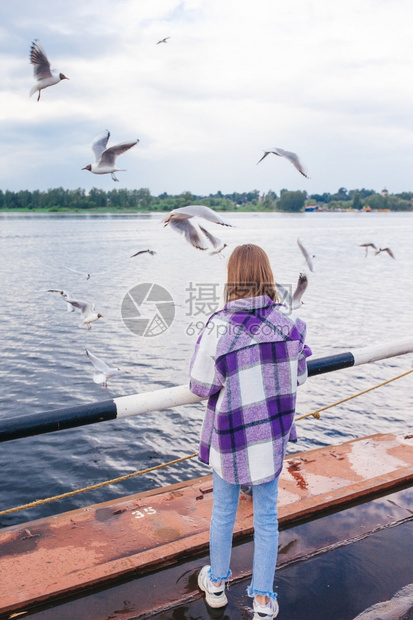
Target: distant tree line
[61, 200]
[359, 198]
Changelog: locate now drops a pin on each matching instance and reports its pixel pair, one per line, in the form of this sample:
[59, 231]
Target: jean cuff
[252, 592]
[216, 579]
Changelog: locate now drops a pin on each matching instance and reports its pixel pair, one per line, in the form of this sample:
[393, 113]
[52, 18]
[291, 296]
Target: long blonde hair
[249, 274]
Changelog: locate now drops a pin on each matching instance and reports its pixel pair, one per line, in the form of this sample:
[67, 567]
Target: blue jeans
[226, 497]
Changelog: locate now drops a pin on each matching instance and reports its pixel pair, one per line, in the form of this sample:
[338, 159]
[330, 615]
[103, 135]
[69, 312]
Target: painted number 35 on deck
[139, 514]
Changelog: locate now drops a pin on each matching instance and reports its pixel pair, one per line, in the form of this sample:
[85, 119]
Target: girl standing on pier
[248, 361]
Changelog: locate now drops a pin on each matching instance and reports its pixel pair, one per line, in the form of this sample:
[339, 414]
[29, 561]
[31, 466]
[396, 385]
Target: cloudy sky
[331, 81]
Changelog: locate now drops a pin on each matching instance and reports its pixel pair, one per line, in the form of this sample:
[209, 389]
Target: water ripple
[351, 302]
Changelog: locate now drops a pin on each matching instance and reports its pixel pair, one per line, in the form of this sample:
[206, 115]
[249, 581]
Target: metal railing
[136, 404]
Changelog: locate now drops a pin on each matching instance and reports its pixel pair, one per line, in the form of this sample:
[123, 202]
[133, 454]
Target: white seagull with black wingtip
[44, 75]
[106, 157]
[293, 301]
[180, 218]
[88, 313]
[292, 157]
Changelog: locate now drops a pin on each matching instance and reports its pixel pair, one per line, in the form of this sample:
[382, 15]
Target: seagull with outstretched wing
[88, 313]
[181, 220]
[87, 274]
[307, 257]
[292, 157]
[44, 75]
[293, 301]
[103, 371]
[106, 156]
[388, 250]
[151, 252]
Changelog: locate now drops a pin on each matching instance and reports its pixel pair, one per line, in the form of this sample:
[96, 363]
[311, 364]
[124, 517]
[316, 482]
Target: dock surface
[57, 556]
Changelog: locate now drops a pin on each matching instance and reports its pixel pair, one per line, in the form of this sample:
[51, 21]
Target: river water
[352, 301]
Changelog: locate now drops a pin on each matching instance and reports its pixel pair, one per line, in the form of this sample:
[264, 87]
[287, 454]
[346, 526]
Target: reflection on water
[351, 301]
[399, 606]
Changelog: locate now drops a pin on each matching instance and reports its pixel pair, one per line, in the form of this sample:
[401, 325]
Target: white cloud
[328, 80]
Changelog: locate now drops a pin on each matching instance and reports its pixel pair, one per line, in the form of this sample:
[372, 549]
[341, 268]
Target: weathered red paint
[55, 556]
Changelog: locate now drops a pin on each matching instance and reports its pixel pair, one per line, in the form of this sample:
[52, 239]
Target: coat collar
[250, 303]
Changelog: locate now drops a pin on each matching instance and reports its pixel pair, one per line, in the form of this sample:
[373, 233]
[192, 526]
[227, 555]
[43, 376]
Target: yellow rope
[97, 486]
[315, 414]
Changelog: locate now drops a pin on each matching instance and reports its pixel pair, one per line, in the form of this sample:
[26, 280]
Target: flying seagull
[87, 312]
[165, 40]
[104, 372]
[88, 275]
[179, 219]
[44, 75]
[292, 157]
[308, 258]
[293, 302]
[151, 252]
[388, 250]
[106, 157]
[367, 246]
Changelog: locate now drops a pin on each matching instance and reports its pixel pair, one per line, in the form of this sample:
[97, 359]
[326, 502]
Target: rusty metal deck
[47, 558]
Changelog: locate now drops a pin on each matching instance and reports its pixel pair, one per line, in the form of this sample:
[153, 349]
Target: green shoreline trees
[79, 200]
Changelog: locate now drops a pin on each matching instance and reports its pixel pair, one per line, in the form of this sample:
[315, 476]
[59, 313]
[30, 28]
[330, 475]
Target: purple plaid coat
[248, 361]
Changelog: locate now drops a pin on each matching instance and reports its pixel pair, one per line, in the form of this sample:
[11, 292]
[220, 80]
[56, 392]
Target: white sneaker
[265, 612]
[214, 595]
